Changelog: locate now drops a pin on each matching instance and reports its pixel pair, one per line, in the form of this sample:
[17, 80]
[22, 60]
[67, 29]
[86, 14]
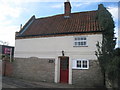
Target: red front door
[64, 69]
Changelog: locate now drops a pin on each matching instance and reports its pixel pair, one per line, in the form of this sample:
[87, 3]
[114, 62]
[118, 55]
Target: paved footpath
[8, 82]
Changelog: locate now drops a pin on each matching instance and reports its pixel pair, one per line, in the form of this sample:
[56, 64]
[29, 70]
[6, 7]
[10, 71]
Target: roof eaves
[59, 33]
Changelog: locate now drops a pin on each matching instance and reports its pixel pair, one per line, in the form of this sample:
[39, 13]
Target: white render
[51, 47]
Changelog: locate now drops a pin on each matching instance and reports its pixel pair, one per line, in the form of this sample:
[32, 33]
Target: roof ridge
[63, 14]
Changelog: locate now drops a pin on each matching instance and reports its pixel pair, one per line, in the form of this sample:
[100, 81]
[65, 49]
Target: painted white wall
[50, 47]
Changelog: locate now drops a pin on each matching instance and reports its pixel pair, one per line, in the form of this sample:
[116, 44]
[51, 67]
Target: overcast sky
[16, 12]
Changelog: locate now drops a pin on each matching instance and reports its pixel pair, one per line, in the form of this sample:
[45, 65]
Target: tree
[113, 70]
[106, 48]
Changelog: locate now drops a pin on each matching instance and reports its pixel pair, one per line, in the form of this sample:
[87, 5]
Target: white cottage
[60, 48]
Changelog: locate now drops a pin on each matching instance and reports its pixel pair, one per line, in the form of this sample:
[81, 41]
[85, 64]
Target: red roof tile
[77, 23]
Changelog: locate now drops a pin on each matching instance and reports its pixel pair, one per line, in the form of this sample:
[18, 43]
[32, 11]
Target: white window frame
[74, 64]
[79, 40]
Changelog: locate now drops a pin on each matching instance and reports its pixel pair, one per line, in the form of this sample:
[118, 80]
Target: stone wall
[34, 69]
[89, 77]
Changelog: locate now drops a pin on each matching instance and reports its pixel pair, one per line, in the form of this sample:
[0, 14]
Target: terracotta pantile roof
[81, 22]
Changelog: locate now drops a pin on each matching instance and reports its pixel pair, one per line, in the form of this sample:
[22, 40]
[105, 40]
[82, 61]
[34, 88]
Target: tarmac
[10, 82]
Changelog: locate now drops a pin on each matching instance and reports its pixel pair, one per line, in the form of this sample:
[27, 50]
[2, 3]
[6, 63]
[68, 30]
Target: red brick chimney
[67, 9]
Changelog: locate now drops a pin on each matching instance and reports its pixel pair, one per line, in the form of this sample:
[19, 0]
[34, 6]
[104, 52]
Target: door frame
[57, 70]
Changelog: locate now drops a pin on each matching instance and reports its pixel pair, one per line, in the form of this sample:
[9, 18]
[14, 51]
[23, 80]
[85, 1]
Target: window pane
[84, 38]
[79, 64]
[75, 38]
[76, 43]
[84, 64]
[81, 39]
[84, 43]
[81, 43]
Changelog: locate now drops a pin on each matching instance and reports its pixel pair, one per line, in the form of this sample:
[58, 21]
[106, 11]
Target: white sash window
[80, 64]
[80, 41]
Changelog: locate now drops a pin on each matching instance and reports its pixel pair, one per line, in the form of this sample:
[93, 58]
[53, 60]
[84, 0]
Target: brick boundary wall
[43, 70]
[7, 68]
[34, 69]
[88, 77]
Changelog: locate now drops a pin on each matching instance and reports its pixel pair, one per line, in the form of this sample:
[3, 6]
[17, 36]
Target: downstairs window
[80, 64]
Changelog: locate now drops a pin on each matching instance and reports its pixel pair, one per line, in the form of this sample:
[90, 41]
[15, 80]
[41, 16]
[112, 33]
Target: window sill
[80, 46]
[80, 68]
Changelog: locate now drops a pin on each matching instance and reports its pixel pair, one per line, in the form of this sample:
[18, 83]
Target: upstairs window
[80, 41]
